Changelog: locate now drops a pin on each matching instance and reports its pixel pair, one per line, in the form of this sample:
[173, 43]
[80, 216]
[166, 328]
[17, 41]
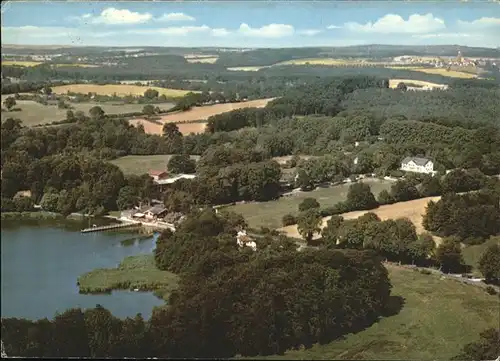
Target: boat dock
[111, 227]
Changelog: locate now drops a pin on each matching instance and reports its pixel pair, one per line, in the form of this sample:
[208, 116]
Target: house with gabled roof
[417, 165]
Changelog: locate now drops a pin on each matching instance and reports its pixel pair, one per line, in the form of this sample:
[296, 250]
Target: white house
[243, 240]
[417, 165]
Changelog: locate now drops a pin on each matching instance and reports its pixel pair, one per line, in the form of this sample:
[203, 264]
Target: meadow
[119, 89]
[439, 316]
[33, 113]
[141, 164]
[269, 214]
[134, 272]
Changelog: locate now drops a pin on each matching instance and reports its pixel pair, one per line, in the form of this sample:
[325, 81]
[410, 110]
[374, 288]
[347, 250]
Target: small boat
[136, 289]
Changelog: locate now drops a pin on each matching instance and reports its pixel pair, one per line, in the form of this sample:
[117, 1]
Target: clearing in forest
[142, 164]
[270, 213]
[119, 89]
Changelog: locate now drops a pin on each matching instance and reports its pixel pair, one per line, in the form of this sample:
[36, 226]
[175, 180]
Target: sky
[250, 24]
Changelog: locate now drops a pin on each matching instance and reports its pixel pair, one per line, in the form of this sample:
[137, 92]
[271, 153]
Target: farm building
[158, 175]
[417, 165]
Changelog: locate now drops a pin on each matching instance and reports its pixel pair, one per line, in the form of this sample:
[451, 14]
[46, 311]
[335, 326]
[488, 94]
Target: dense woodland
[334, 119]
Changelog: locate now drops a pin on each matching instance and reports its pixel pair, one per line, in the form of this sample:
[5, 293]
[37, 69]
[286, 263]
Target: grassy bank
[438, 317]
[36, 215]
[134, 272]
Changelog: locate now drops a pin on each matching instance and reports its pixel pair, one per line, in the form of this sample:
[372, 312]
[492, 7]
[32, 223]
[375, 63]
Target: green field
[133, 272]
[141, 164]
[438, 318]
[472, 254]
[269, 214]
[33, 113]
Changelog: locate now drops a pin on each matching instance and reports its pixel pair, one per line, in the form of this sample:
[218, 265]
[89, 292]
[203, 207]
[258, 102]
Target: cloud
[480, 24]
[267, 31]
[443, 35]
[220, 32]
[330, 27]
[113, 16]
[394, 24]
[309, 32]
[175, 17]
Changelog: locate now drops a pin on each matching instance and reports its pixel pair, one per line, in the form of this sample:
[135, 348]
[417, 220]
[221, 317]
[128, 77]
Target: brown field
[121, 90]
[439, 71]
[203, 113]
[196, 113]
[393, 83]
[414, 210]
[188, 128]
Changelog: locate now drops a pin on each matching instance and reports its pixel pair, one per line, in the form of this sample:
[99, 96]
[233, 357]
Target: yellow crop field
[439, 71]
[121, 89]
[393, 83]
[208, 60]
[21, 63]
[247, 68]
[318, 61]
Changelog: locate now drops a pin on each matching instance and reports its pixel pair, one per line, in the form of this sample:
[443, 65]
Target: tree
[148, 110]
[402, 86]
[489, 264]
[151, 94]
[70, 116]
[330, 233]
[487, 348]
[308, 223]
[403, 191]
[304, 181]
[360, 197]
[430, 186]
[449, 256]
[47, 90]
[384, 197]
[96, 112]
[181, 163]
[9, 102]
[171, 131]
[308, 203]
[288, 220]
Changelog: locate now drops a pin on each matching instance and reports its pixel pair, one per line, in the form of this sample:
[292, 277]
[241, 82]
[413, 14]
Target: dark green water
[42, 260]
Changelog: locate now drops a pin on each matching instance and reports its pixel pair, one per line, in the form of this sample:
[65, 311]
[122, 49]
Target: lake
[42, 260]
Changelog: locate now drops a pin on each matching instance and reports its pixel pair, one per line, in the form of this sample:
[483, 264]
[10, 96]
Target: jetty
[111, 227]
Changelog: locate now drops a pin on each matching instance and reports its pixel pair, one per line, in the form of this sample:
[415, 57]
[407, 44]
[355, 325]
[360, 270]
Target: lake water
[41, 264]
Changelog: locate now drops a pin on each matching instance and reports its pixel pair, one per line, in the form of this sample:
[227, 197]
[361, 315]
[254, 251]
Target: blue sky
[251, 23]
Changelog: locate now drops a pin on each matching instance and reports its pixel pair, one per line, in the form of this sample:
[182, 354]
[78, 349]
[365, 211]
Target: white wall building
[417, 165]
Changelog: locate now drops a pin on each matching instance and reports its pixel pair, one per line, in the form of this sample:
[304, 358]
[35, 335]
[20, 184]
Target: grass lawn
[133, 272]
[141, 164]
[472, 254]
[33, 113]
[269, 214]
[437, 319]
